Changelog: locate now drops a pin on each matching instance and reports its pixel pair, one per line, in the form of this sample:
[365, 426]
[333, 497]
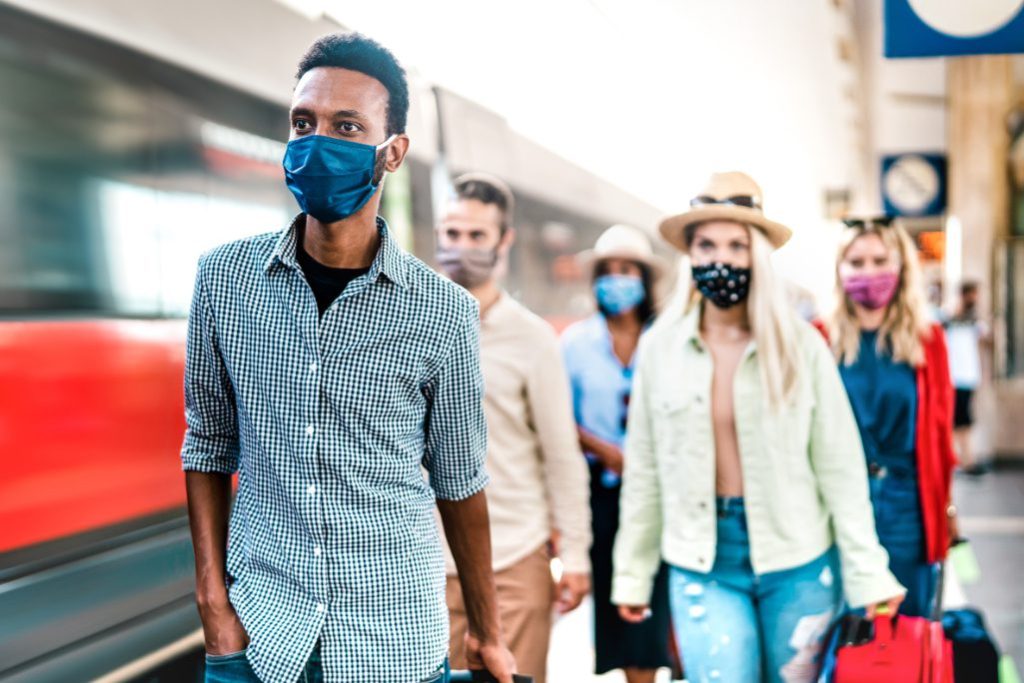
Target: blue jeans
[734, 626]
[235, 668]
[897, 506]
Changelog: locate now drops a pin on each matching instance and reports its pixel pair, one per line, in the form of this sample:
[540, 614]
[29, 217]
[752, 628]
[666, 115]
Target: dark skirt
[963, 416]
[618, 644]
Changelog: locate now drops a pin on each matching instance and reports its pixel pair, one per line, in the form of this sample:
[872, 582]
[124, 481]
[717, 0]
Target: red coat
[935, 456]
[933, 441]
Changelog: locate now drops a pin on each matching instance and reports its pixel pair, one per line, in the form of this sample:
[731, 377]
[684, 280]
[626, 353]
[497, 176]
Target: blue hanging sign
[939, 28]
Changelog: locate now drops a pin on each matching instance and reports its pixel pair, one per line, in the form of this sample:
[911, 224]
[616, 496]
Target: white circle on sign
[965, 19]
[911, 184]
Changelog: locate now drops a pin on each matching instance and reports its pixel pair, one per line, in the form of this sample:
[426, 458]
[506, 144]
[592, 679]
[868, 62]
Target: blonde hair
[906, 323]
[772, 322]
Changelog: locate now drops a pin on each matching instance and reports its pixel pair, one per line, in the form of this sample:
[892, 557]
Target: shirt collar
[689, 328]
[389, 261]
[494, 315]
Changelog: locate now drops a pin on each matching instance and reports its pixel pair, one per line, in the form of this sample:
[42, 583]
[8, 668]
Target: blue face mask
[618, 293]
[331, 178]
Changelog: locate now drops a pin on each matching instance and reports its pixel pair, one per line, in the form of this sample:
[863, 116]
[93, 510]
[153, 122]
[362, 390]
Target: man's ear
[396, 152]
[507, 240]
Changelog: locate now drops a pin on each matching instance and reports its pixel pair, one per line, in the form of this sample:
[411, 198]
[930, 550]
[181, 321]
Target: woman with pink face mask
[893, 362]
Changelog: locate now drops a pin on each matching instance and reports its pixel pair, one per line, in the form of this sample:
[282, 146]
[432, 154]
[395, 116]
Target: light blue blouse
[600, 383]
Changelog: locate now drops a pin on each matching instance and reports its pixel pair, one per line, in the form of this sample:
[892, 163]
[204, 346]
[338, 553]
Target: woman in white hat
[599, 357]
[744, 469]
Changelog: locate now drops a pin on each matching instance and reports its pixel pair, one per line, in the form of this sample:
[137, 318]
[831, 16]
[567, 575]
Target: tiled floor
[992, 517]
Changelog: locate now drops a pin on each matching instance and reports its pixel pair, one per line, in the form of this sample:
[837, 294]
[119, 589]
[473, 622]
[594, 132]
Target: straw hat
[625, 242]
[731, 196]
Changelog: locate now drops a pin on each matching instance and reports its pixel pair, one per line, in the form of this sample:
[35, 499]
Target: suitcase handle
[484, 677]
[884, 628]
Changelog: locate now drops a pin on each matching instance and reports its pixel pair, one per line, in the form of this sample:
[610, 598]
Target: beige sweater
[539, 478]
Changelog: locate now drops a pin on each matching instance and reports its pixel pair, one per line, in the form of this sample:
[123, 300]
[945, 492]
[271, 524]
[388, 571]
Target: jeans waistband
[729, 506]
[882, 470]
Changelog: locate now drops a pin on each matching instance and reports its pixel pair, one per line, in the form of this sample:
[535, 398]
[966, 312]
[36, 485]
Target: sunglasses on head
[883, 221]
[744, 200]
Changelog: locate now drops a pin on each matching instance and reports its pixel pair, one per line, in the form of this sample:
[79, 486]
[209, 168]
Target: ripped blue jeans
[734, 626]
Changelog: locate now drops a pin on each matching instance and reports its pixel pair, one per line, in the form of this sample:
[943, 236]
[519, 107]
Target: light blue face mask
[331, 178]
[618, 293]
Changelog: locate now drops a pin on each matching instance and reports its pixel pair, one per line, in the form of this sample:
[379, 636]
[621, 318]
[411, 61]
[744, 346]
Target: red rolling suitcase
[903, 650]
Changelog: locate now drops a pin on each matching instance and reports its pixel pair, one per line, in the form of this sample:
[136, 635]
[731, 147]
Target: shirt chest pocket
[785, 436]
[377, 384]
[671, 416]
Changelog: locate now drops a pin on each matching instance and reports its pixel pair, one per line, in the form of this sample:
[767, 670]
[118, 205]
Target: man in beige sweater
[539, 481]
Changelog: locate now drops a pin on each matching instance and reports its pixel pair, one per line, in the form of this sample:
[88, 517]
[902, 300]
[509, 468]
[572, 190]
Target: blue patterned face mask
[331, 178]
[618, 293]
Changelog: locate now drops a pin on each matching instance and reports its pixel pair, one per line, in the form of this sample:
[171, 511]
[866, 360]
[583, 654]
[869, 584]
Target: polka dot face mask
[722, 284]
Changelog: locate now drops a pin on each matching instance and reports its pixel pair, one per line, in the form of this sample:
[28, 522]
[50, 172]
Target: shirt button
[309, 430]
[312, 367]
[703, 505]
[317, 551]
[311, 489]
[320, 607]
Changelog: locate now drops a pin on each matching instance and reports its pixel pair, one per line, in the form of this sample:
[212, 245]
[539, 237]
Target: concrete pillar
[980, 97]
[981, 94]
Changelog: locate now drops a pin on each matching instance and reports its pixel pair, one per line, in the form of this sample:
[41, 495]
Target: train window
[116, 173]
[151, 263]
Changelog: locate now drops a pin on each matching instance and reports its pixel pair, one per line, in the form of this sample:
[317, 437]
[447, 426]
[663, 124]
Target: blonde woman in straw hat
[893, 361]
[744, 467]
[599, 357]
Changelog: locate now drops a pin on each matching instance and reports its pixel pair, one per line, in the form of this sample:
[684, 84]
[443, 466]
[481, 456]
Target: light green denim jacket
[804, 479]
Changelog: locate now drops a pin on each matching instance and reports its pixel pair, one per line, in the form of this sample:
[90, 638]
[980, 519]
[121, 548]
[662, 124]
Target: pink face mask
[872, 291]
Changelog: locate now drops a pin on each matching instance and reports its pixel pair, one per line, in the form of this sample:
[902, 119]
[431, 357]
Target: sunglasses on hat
[882, 221]
[744, 200]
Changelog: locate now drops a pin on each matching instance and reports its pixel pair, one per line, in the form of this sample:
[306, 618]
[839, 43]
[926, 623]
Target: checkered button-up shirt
[329, 423]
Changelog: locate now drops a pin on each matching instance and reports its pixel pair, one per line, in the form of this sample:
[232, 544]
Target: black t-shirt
[327, 283]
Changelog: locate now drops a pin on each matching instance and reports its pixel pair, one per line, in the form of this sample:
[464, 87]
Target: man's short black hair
[357, 52]
[488, 189]
[968, 287]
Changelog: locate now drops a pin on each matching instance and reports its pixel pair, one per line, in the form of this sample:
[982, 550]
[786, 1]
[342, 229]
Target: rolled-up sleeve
[211, 435]
[455, 429]
[838, 461]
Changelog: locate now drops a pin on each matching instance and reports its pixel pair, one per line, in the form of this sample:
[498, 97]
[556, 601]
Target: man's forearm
[209, 504]
[467, 527]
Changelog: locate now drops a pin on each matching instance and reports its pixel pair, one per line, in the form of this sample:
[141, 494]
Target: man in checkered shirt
[329, 368]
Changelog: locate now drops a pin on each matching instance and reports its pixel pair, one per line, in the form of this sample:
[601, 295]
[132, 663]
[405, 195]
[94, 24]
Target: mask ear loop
[379, 148]
[386, 142]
